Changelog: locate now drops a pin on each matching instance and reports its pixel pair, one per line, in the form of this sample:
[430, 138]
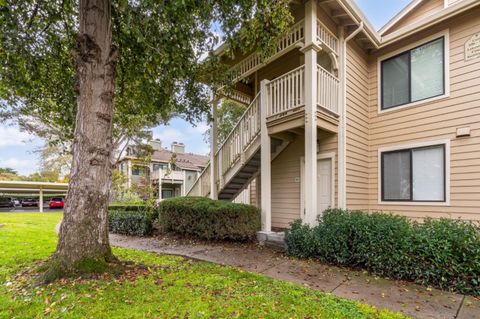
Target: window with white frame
[414, 75]
[414, 174]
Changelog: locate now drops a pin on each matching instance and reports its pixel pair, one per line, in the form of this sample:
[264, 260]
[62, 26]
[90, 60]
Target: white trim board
[445, 142]
[399, 16]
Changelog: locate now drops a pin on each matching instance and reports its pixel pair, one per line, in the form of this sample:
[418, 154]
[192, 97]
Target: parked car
[29, 202]
[6, 202]
[56, 202]
[16, 202]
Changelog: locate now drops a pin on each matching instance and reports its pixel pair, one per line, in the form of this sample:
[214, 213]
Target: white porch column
[213, 151]
[160, 174]
[184, 191]
[266, 161]
[40, 204]
[129, 173]
[310, 50]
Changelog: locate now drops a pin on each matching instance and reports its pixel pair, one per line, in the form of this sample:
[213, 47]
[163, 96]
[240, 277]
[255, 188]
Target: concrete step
[272, 239]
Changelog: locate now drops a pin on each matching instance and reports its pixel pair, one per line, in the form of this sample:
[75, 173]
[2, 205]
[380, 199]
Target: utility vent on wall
[463, 131]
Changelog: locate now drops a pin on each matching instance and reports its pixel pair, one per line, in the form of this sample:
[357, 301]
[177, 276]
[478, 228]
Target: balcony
[286, 99]
[294, 38]
[168, 175]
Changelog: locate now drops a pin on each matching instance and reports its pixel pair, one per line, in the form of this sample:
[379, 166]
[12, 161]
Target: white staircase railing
[242, 135]
[326, 37]
[231, 150]
[286, 92]
[327, 93]
[237, 96]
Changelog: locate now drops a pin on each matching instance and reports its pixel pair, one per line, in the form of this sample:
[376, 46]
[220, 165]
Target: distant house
[342, 115]
[169, 172]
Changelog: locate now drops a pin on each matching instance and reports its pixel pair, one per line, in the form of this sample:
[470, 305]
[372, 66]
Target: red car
[56, 202]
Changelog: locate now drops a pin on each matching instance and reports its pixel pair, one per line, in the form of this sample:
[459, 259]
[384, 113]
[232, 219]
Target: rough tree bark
[84, 230]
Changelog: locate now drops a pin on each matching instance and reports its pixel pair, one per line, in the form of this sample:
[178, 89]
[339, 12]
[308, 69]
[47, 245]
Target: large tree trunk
[84, 230]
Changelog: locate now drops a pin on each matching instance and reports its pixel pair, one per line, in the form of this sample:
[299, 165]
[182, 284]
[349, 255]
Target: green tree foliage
[128, 65]
[228, 115]
[44, 176]
[8, 170]
[9, 174]
[160, 70]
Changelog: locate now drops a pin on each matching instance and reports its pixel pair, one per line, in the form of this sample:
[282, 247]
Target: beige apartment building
[346, 116]
[166, 173]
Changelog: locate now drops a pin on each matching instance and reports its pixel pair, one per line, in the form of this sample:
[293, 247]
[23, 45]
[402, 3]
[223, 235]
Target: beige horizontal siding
[357, 138]
[436, 120]
[285, 190]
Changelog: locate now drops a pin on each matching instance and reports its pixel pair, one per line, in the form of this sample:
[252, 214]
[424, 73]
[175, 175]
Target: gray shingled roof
[187, 161]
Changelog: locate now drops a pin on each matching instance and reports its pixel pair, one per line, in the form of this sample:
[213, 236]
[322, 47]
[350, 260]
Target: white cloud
[23, 166]
[12, 136]
[200, 128]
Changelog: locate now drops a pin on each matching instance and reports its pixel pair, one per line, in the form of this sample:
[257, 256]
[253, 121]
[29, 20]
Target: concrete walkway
[410, 299]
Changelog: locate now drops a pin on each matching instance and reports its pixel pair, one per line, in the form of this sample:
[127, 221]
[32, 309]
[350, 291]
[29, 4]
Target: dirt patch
[2, 225]
[23, 282]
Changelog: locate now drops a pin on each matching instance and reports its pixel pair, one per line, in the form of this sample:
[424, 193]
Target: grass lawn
[172, 287]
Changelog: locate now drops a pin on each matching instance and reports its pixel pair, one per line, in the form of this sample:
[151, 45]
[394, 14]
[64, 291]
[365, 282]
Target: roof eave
[429, 21]
[409, 8]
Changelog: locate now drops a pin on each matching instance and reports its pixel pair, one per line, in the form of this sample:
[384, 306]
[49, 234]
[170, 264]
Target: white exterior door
[324, 184]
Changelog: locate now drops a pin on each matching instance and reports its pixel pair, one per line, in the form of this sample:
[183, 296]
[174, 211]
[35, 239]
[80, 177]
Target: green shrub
[443, 253]
[126, 207]
[134, 221]
[208, 219]
[447, 254]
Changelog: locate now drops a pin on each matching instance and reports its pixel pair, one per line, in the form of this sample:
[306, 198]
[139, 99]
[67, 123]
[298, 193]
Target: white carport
[40, 188]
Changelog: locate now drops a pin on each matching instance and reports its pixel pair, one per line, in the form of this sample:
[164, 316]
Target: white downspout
[342, 137]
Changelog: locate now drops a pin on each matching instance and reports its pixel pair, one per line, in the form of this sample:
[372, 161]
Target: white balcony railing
[286, 92]
[327, 93]
[252, 62]
[168, 174]
[326, 37]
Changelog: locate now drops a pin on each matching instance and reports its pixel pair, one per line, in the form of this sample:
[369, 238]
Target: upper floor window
[415, 75]
[162, 166]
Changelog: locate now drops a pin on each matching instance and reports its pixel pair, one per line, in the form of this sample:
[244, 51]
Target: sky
[17, 148]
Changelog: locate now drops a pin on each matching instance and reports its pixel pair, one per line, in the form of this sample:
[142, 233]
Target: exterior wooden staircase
[238, 157]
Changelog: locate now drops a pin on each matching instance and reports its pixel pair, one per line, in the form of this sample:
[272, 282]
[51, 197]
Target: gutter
[358, 17]
[342, 136]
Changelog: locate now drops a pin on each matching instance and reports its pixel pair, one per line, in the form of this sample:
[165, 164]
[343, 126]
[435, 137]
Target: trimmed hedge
[443, 253]
[208, 219]
[127, 207]
[135, 221]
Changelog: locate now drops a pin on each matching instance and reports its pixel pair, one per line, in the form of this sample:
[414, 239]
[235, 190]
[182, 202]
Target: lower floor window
[167, 193]
[415, 174]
